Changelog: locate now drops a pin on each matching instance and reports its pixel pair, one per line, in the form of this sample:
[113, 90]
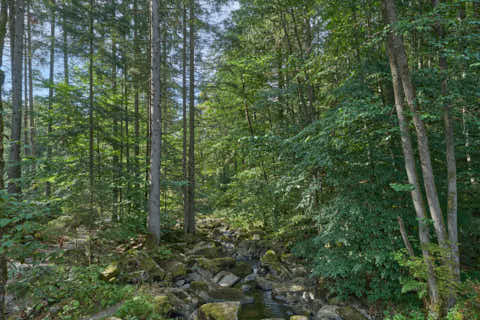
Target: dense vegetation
[346, 130]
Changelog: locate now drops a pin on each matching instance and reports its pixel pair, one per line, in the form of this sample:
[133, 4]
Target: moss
[162, 305]
[210, 253]
[271, 260]
[227, 294]
[349, 313]
[176, 269]
[217, 264]
[110, 272]
[242, 269]
[199, 286]
[298, 318]
[219, 311]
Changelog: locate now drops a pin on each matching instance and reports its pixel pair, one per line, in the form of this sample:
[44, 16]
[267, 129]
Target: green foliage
[139, 307]
[77, 289]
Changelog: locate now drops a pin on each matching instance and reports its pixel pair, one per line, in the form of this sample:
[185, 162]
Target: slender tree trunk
[50, 92]
[14, 159]
[451, 170]
[66, 73]
[156, 139]
[26, 140]
[3, 259]
[33, 149]
[184, 119]
[190, 226]
[90, 110]
[410, 167]
[136, 101]
[398, 50]
[116, 164]
[127, 137]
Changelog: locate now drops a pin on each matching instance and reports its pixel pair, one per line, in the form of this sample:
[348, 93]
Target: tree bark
[190, 226]
[14, 168]
[184, 119]
[90, 110]
[3, 259]
[156, 138]
[398, 50]
[410, 167]
[33, 149]
[50, 92]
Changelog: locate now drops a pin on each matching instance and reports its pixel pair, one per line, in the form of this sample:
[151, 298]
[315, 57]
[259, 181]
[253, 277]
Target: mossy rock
[199, 286]
[162, 305]
[242, 269]
[219, 311]
[227, 294]
[57, 227]
[110, 272]
[271, 261]
[217, 264]
[298, 318]
[350, 313]
[209, 253]
[175, 269]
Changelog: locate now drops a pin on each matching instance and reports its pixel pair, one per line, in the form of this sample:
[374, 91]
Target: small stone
[298, 318]
[228, 280]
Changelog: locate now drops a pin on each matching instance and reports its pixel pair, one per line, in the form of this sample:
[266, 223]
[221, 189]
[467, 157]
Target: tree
[156, 137]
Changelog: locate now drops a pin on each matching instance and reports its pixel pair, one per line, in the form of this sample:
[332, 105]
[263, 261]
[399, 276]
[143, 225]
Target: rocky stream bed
[225, 274]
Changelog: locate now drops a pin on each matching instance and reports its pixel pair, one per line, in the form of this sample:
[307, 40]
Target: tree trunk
[33, 149]
[50, 93]
[90, 109]
[156, 138]
[26, 140]
[398, 50]
[190, 225]
[3, 259]
[14, 167]
[184, 119]
[116, 165]
[410, 167]
[451, 171]
[66, 73]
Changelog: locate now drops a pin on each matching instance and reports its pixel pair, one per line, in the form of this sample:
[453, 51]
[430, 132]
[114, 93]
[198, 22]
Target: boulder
[328, 312]
[229, 294]
[282, 288]
[298, 318]
[226, 279]
[264, 284]
[350, 313]
[175, 270]
[273, 263]
[110, 272]
[219, 311]
[162, 305]
[242, 269]
[217, 264]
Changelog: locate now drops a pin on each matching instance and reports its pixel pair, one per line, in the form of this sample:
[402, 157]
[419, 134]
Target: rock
[219, 311]
[229, 294]
[242, 269]
[246, 288]
[226, 279]
[282, 288]
[264, 284]
[180, 283]
[175, 270]
[250, 277]
[163, 305]
[217, 264]
[199, 286]
[328, 312]
[298, 318]
[110, 272]
[350, 313]
[272, 262]
[57, 227]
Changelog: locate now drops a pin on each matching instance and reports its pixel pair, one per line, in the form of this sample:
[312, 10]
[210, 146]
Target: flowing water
[263, 306]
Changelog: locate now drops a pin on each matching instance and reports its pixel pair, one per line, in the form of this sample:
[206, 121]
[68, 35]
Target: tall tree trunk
[184, 118]
[156, 138]
[14, 167]
[90, 109]
[127, 134]
[410, 168]
[190, 225]
[50, 92]
[33, 149]
[116, 164]
[66, 73]
[3, 259]
[136, 148]
[26, 140]
[399, 52]
[451, 170]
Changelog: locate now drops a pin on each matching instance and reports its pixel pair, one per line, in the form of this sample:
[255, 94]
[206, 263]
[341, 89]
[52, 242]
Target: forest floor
[220, 273]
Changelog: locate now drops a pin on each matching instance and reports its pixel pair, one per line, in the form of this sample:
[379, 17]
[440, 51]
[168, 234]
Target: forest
[240, 159]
